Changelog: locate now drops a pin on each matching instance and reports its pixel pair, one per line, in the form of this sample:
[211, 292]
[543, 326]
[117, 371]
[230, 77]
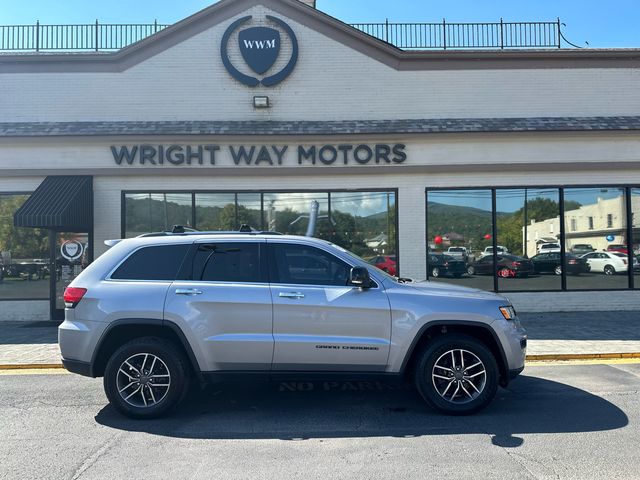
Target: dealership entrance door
[63, 205]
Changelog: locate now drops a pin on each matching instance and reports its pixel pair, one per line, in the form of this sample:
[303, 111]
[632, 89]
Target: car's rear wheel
[505, 273]
[146, 377]
[471, 270]
[609, 270]
[435, 272]
[457, 374]
[558, 270]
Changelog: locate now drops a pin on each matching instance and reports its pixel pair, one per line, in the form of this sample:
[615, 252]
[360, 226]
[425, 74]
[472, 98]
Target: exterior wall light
[261, 101]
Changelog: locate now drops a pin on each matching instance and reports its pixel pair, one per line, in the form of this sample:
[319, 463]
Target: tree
[20, 242]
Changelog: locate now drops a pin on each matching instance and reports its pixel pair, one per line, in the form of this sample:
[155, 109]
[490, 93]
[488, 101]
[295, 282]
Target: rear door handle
[291, 295]
[188, 291]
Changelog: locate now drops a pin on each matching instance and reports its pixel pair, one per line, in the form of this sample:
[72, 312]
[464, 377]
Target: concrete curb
[580, 356]
[552, 357]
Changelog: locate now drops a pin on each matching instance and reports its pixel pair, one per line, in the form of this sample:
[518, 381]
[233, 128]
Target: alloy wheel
[459, 376]
[143, 380]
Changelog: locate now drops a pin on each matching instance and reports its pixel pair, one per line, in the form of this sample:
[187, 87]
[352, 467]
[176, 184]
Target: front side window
[160, 262]
[227, 262]
[304, 265]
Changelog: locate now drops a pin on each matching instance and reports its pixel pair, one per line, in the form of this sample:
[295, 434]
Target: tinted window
[152, 263]
[227, 262]
[299, 264]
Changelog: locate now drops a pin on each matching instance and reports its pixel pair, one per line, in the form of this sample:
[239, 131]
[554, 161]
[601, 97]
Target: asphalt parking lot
[576, 421]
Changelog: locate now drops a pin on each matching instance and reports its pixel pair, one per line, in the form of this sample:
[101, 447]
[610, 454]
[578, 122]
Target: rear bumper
[81, 368]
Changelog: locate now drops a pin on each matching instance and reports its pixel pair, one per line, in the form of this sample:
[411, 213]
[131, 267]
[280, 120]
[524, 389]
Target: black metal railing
[91, 36]
[420, 36]
[444, 35]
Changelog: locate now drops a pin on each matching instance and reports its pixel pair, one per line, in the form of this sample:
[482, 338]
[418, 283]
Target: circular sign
[260, 48]
[72, 250]
[610, 238]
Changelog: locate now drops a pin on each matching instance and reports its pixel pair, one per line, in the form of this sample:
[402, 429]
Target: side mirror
[359, 277]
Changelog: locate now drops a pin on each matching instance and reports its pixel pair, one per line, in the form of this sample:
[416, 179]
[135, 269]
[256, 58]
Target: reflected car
[443, 265]
[608, 263]
[582, 248]
[508, 266]
[552, 263]
[617, 248]
[386, 263]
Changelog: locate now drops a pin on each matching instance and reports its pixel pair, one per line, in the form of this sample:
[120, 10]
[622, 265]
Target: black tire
[471, 270]
[557, 270]
[435, 272]
[609, 270]
[436, 350]
[172, 362]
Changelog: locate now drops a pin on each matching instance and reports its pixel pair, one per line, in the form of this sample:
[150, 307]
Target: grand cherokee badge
[260, 49]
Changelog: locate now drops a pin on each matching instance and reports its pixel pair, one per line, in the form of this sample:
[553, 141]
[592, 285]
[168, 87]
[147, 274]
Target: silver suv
[153, 314]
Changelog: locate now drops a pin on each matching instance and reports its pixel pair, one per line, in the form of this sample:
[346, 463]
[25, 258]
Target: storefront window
[24, 255]
[600, 237]
[528, 225]
[546, 238]
[363, 222]
[290, 213]
[635, 235]
[459, 237]
[156, 212]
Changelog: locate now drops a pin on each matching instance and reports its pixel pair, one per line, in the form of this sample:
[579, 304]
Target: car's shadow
[302, 410]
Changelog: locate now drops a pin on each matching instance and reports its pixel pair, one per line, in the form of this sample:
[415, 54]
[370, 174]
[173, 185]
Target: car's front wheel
[609, 270]
[457, 374]
[146, 377]
[435, 272]
[558, 270]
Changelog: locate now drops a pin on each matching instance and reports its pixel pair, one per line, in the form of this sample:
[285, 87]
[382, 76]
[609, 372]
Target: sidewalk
[553, 334]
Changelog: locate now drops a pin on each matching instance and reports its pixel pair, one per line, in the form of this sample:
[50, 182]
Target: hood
[450, 290]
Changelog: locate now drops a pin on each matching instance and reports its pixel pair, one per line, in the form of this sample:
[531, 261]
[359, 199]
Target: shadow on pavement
[304, 410]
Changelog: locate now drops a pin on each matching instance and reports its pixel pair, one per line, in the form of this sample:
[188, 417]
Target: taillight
[515, 264]
[572, 262]
[73, 295]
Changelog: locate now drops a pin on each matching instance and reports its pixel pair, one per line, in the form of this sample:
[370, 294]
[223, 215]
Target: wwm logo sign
[260, 44]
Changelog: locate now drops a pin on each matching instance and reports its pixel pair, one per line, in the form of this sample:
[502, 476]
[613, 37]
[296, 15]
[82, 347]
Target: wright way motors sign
[258, 155]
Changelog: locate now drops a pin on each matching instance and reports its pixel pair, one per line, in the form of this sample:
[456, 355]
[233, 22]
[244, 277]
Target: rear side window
[160, 262]
[227, 262]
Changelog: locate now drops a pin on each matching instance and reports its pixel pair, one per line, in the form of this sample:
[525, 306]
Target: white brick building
[387, 126]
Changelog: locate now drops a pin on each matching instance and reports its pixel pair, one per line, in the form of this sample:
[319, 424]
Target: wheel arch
[477, 330]
[126, 329]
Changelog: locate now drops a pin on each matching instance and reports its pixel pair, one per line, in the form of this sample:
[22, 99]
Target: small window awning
[61, 202]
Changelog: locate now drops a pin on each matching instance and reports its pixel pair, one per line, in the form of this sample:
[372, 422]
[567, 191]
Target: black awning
[60, 202]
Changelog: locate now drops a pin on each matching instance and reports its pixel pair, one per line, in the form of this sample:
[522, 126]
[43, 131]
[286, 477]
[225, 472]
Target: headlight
[508, 312]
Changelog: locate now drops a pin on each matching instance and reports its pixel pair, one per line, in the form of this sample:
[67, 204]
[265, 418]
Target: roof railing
[108, 37]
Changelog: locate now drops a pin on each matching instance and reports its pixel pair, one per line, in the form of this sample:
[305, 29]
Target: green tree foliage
[20, 242]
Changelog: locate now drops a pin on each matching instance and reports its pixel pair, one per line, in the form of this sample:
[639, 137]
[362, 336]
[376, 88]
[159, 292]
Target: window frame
[109, 276]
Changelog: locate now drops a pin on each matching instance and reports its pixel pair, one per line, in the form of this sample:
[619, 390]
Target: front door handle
[188, 291]
[291, 295]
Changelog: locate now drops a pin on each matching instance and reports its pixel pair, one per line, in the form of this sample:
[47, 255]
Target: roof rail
[180, 230]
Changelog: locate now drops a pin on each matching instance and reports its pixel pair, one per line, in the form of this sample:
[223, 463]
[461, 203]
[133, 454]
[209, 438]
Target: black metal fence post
[37, 35]
[97, 36]
[386, 30]
[559, 34]
[155, 26]
[501, 34]
[444, 34]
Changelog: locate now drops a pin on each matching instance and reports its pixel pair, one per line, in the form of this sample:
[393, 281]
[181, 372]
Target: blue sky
[604, 24]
